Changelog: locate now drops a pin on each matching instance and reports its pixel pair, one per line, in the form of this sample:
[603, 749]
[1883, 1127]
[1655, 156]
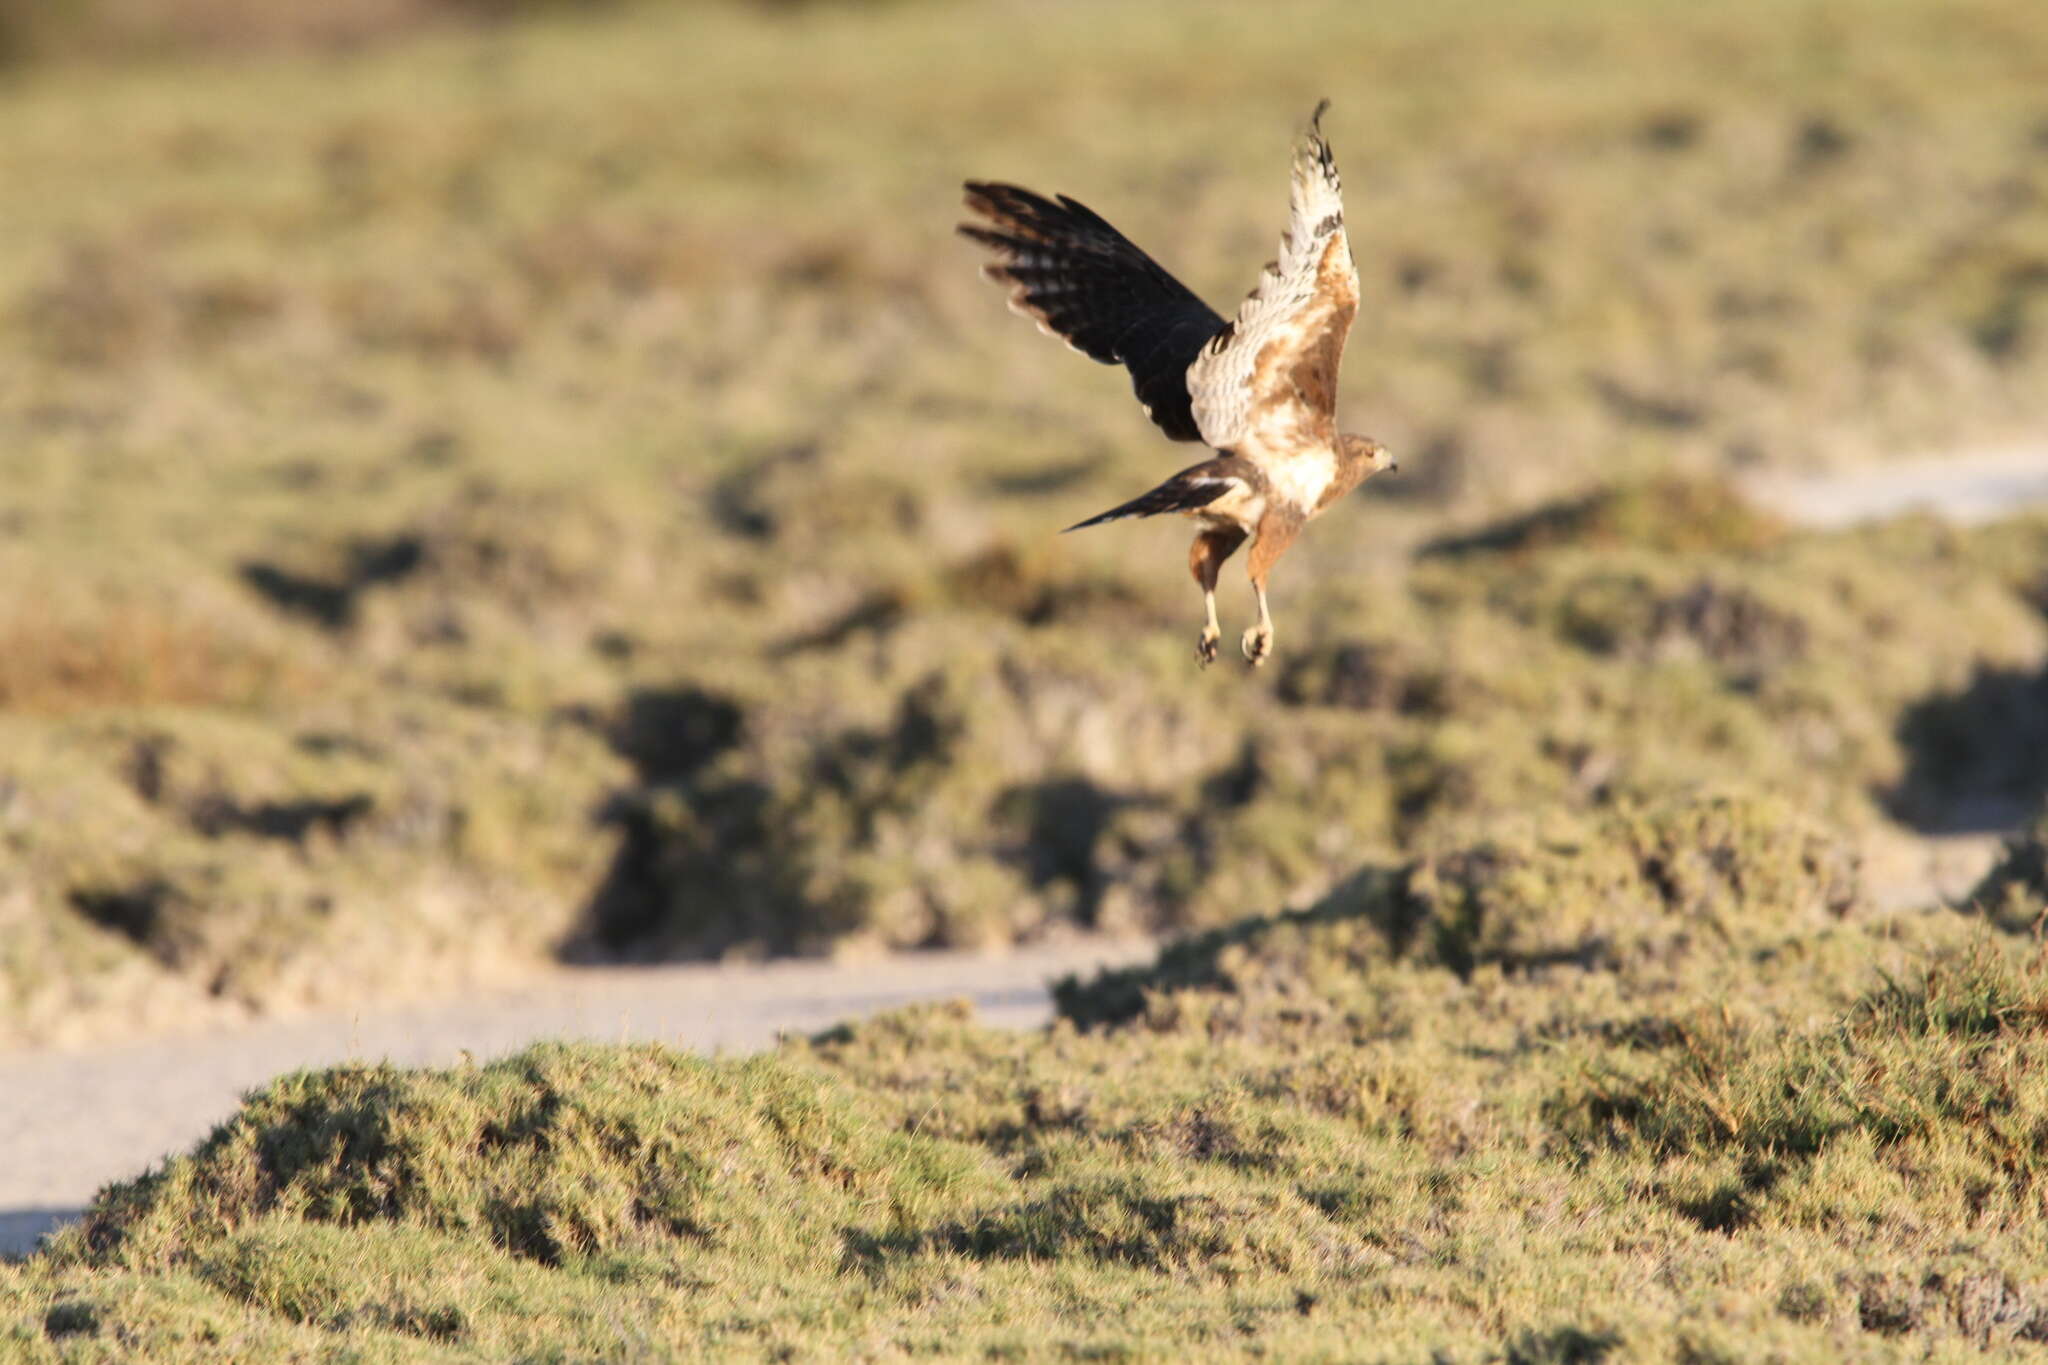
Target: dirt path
[1967, 487]
[73, 1121]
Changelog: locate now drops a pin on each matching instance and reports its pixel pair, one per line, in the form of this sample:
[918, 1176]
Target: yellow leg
[1205, 650]
[1258, 640]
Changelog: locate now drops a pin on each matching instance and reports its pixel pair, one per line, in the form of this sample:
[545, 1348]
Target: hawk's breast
[1300, 478]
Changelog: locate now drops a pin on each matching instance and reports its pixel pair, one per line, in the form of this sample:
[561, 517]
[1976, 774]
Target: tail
[1193, 488]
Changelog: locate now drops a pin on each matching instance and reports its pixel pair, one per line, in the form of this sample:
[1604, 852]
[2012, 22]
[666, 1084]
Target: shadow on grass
[1375, 895]
[712, 860]
[1064, 821]
[670, 733]
[1562, 1346]
[1977, 759]
[331, 602]
[291, 822]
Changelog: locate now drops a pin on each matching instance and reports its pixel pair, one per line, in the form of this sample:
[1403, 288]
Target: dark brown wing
[1086, 283]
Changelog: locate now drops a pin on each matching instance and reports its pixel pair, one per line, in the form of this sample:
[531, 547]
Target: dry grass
[131, 656]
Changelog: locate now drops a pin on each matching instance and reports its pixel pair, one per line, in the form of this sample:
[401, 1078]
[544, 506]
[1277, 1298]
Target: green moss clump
[1645, 886]
[561, 1153]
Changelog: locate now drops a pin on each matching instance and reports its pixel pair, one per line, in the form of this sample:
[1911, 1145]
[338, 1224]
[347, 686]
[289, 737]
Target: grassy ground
[558, 487]
[1717, 1110]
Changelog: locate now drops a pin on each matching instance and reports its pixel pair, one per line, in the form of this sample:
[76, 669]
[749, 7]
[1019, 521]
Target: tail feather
[1190, 490]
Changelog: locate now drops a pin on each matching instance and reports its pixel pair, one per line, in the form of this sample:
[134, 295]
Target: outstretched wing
[1087, 284]
[1193, 488]
[1266, 386]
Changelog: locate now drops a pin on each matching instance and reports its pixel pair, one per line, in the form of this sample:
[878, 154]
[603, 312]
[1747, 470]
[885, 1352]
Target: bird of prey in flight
[1260, 389]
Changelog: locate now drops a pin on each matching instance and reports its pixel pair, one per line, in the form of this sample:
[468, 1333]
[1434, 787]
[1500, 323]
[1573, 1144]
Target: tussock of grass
[1704, 877]
[1930, 1085]
[560, 1154]
[1945, 1054]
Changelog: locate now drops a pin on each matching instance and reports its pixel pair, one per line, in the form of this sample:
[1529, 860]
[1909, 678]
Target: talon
[1205, 648]
[1257, 644]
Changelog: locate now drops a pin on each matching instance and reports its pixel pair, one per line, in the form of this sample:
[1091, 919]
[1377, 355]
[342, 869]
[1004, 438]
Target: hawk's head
[1375, 457]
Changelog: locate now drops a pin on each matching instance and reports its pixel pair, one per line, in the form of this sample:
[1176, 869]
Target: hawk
[1260, 389]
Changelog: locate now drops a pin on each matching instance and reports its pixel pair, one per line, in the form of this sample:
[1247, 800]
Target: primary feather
[1088, 284]
[1266, 386]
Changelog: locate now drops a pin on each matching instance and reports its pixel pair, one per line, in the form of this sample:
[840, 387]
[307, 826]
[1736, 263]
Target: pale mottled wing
[1266, 385]
[1089, 285]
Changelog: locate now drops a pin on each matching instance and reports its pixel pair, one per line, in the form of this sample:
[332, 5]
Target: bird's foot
[1205, 648]
[1258, 643]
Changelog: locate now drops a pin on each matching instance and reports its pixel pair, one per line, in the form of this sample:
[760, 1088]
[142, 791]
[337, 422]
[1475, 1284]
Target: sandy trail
[1967, 488]
[73, 1121]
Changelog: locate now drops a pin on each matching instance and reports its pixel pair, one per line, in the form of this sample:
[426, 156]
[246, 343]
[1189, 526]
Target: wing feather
[1087, 284]
[1266, 385]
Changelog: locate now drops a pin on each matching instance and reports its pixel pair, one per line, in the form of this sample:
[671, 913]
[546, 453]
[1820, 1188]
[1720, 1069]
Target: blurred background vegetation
[33, 31]
[484, 481]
